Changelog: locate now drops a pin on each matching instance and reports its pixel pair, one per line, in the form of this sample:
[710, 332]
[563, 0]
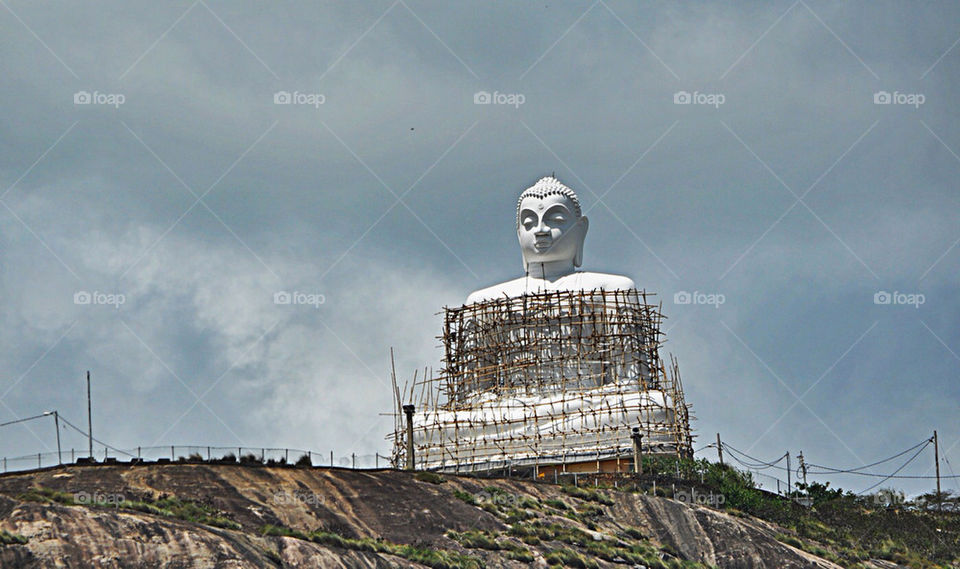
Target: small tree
[250, 458]
[304, 460]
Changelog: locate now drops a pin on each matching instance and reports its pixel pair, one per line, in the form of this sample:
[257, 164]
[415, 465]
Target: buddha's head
[550, 225]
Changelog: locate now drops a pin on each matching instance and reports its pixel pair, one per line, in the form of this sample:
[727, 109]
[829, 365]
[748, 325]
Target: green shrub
[570, 558]
[587, 494]
[431, 477]
[466, 497]
[556, 503]
[7, 538]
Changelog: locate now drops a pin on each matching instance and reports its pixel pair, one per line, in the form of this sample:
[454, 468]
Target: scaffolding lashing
[554, 378]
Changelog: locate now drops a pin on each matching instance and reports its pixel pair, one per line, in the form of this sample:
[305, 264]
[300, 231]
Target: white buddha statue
[557, 366]
[551, 229]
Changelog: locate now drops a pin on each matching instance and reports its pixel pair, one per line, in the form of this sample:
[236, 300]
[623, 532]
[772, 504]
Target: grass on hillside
[840, 526]
[435, 558]
[168, 506]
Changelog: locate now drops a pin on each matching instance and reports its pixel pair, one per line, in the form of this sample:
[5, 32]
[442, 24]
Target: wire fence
[768, 475]
[194, 453]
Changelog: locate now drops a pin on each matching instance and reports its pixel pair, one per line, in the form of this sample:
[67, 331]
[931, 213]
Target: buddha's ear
[582, 225]
[523, 254]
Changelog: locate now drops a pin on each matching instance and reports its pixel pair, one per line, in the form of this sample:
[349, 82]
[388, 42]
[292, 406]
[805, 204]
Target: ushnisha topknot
[547, 186]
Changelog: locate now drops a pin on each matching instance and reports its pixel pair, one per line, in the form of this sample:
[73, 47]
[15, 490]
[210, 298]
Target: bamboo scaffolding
[550, 378]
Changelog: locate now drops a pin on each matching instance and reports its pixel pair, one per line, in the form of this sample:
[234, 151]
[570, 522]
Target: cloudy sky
[792, 167]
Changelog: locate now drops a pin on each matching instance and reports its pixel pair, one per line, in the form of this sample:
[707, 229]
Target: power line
[854, 470]
[86, 434]
[904, 465]
[47, 414]
[759, 464]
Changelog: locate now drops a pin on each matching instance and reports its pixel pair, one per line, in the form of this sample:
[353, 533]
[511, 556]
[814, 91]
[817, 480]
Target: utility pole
[719, 449]
[89, 418]
[56, 423]
[789, 485]
[803, 469]
[936, 458]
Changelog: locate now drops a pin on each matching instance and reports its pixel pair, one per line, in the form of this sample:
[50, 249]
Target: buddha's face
[550, 231]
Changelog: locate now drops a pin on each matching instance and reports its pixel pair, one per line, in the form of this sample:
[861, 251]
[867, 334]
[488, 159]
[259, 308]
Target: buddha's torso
[575, 281]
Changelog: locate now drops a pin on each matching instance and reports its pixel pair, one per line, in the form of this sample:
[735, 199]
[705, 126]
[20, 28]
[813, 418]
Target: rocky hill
[222, 515]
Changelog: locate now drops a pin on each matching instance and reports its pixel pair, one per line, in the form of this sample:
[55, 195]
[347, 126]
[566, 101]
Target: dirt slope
[212, 515]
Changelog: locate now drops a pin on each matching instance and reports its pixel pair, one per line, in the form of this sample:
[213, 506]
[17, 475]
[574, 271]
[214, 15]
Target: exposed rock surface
[389, 505]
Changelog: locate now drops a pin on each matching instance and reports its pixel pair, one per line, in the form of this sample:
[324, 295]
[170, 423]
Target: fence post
[353, 458]
[286, 456]
[331, 458]
[208, 454]
[637, 437]
[38, 460]
[173, 455]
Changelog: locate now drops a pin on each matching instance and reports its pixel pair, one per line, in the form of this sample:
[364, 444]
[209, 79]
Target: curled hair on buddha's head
[548, 186]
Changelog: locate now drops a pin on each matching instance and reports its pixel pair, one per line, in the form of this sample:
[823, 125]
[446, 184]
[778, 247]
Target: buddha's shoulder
[580, 280]
[515, 287]
[604, 281]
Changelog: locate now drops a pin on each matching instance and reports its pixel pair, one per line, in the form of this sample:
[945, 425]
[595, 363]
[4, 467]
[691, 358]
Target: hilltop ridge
[218, 515]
